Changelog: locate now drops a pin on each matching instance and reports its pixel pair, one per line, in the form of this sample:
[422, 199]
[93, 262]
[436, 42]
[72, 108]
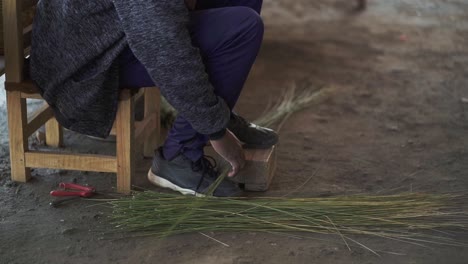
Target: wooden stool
[130, 135]
[259, 169]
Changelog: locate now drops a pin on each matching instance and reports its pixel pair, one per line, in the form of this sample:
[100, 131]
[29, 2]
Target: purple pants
[229, 34]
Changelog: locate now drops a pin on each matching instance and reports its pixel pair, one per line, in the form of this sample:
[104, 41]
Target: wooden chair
[130, 135]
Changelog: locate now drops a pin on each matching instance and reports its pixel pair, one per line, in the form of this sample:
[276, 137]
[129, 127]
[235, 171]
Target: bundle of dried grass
[291, 102]
[410, 218]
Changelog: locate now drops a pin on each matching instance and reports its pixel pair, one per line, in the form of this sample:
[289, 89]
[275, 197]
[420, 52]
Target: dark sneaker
[252, 135]
[188, 177]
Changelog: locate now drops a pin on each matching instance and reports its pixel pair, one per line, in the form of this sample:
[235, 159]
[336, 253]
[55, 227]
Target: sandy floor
[398, 122]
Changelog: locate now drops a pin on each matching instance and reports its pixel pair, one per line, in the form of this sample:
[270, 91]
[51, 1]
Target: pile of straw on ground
[419, 219]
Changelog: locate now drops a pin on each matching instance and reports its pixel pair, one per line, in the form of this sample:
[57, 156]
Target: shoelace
[207, 166]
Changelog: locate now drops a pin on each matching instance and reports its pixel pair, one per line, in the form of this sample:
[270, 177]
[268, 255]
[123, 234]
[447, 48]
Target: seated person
[198, 53]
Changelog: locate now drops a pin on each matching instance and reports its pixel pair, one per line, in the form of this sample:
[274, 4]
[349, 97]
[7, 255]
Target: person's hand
[231, 150]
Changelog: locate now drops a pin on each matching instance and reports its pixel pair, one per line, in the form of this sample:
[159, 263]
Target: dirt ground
[398, 122]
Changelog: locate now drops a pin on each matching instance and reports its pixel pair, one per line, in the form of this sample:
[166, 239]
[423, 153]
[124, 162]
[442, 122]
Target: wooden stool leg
[54, 133]
[125, 129]
[152, 106]
[17, 122]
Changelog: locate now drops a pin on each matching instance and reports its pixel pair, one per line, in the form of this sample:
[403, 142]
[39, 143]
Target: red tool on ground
[71, 189]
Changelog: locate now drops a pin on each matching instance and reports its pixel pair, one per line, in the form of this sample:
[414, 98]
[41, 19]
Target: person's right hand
[231, 150]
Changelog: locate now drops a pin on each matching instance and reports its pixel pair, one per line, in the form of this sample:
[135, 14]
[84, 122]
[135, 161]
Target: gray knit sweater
[73, 61]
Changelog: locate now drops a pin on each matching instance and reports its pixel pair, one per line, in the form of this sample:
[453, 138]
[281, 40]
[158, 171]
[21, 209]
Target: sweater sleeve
[157, 33]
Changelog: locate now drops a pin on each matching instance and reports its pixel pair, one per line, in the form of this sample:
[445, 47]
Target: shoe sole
[163, 183]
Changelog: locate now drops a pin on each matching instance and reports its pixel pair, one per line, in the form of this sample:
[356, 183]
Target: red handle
[84, 194]
[76, 187]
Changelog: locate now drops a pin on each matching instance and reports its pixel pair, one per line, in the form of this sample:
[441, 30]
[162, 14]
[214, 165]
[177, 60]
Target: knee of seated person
[250, 19]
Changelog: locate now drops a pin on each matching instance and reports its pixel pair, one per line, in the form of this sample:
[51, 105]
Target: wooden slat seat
[26, 86]
[28, 89]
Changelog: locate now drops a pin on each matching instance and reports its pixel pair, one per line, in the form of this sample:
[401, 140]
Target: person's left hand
[231, 150]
